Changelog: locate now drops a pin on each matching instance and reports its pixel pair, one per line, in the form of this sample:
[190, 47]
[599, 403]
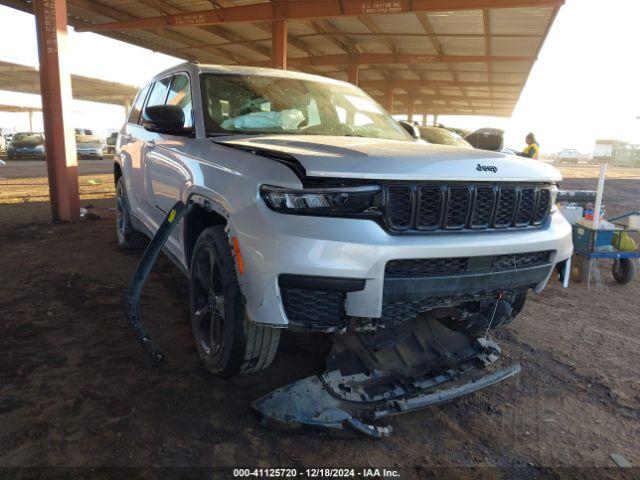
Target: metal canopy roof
[18, 109]
[25, 79]
[445, 56]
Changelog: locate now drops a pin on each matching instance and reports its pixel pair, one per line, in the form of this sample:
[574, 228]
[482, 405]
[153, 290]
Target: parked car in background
[26, 146]
[7, 133]
[89, 146]
[110, 143]
[443, 136]
[491, 139]
[568, 155]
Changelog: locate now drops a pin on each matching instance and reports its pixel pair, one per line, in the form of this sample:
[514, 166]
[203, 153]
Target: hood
[88, 141]
[85, 145]
[26, 144]
[371, 158]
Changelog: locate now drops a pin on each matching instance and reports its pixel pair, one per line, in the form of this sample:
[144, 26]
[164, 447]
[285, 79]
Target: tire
[128, 237]
[624, 270]
[228, 343]
[517, 304]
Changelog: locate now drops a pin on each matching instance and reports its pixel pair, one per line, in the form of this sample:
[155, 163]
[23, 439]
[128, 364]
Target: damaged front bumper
[308, 403]
[352, 398]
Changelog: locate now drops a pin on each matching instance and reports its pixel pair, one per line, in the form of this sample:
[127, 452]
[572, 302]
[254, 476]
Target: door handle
[151, 143]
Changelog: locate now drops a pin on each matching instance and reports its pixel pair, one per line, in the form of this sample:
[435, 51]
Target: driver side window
[180, 95]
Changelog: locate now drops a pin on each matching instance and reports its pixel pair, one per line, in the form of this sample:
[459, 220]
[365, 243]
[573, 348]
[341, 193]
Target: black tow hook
[139, 278]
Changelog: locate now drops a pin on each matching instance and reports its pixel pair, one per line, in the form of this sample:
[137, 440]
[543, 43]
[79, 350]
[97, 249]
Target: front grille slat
[543, 206]
[526, 204]
[430, 203]
[458, 202]
[399, 207]
[507, 201]
[432, 207]
[483, 203]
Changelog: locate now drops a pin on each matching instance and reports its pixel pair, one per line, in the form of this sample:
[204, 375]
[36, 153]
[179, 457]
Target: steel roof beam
[306, 9]
[395, 58]
[179, 38]
[417, 84]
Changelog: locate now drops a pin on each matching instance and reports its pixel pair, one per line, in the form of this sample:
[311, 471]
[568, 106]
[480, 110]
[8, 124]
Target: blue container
[586, 240]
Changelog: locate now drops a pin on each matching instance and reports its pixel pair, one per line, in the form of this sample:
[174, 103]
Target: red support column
[279, 44]
[55, 88]
[353, 73]
[388, 100]
[279, 36]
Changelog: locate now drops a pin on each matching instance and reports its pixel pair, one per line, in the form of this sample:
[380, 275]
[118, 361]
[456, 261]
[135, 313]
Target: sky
[584, 86]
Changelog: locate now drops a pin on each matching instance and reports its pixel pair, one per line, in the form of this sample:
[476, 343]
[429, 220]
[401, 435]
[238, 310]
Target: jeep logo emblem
[487, 168]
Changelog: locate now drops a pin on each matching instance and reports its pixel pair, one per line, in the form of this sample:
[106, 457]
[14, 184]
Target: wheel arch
[117, 172]
[204, 213]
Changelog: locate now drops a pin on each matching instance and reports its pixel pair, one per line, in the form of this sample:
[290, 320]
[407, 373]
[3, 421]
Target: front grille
[465, 207]
[426, 267]
[314, 309]
[436, 267]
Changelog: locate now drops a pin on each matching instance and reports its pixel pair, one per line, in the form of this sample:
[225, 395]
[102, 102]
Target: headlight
[321, 201]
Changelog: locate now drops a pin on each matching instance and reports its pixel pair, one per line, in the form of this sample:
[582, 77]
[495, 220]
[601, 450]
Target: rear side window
[158, 92]
[180, 95]
[134, 115]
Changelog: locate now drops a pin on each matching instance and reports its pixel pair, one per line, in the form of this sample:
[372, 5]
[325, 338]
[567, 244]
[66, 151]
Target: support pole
[424, 119]
[31, 120]
[599, 193]
[353, 73]
[279, 37]
[55, 88]
[435, 120]
[388, 100]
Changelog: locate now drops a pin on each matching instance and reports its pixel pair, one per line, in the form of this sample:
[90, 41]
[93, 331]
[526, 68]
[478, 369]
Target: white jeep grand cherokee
[311, 208]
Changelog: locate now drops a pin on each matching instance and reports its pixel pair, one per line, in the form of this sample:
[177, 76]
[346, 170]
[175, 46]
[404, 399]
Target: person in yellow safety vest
[533, 149]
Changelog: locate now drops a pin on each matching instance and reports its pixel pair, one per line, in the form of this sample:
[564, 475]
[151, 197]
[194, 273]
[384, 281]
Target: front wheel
[227, 342]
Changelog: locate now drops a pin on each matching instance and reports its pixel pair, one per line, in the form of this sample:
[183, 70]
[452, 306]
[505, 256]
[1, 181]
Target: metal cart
[587, 244]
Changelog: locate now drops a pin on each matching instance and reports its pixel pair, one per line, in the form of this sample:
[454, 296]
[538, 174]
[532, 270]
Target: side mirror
[411, 128]
[165, 119]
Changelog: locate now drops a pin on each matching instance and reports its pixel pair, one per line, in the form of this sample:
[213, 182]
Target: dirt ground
[77, 391]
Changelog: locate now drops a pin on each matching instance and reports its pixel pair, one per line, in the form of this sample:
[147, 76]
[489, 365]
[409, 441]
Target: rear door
[131, 145]
[157, 96]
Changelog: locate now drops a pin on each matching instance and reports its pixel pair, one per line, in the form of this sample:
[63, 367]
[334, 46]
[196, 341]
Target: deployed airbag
[284, 120]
